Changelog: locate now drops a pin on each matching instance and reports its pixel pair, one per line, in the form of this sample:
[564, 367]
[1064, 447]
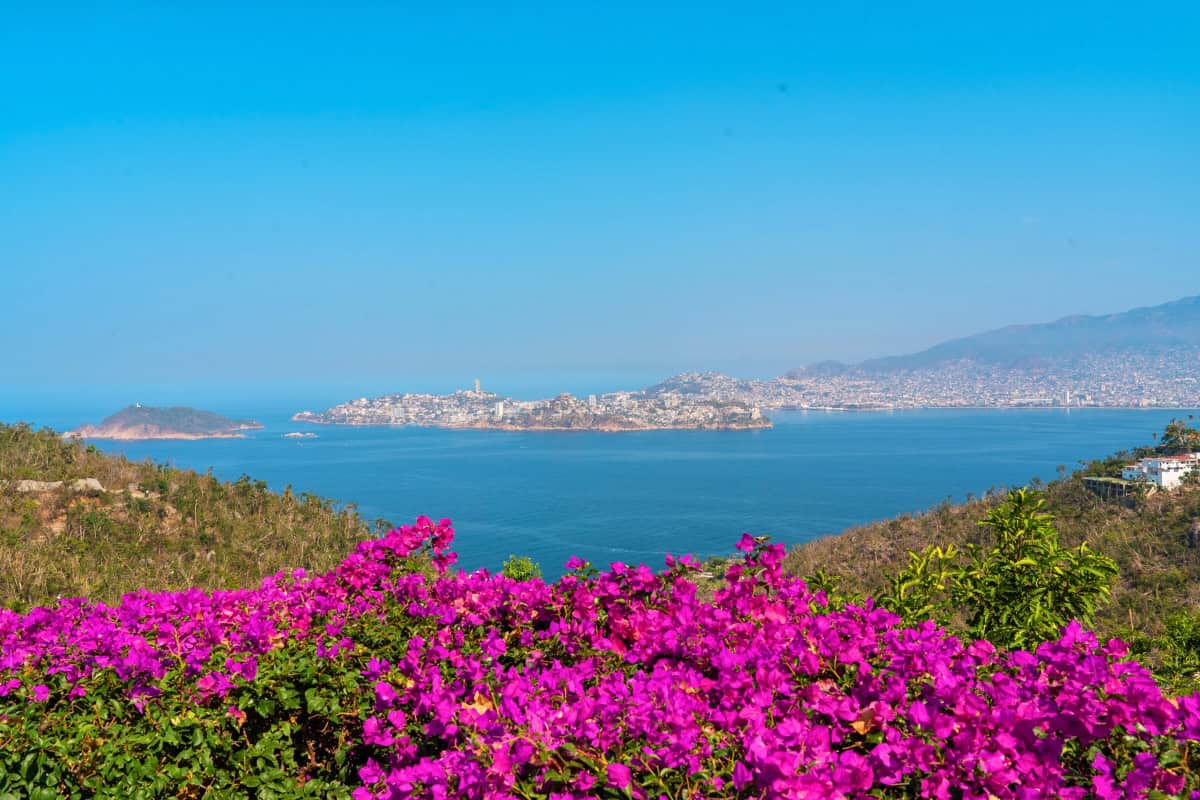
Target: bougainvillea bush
[394, 676]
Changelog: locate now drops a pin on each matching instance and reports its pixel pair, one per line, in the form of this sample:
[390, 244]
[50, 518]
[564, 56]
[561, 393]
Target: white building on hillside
[1165, 472]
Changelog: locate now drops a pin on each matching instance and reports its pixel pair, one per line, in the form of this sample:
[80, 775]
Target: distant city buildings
[615, 411]
[697, 400]
[1170, 379]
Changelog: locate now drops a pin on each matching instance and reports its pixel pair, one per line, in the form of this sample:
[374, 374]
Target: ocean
[634, 497]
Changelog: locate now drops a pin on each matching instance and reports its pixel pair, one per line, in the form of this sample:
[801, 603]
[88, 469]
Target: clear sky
[393, 195]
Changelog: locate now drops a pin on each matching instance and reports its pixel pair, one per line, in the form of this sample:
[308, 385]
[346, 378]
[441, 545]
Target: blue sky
[400, 195]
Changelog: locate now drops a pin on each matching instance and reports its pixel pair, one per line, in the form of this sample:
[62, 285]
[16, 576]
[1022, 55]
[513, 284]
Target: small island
[178, 422]
[649, 409]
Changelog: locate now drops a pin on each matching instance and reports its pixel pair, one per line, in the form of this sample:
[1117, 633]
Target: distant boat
[299, 435]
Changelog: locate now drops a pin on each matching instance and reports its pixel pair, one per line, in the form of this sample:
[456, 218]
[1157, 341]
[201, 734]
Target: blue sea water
[634, 497]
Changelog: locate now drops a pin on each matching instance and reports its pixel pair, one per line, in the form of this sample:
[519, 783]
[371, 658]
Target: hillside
[384, 679]
[390, 673]
[76, 521]
[1144, 332]
[177, 422]
[1154, 539]
[1149, 540]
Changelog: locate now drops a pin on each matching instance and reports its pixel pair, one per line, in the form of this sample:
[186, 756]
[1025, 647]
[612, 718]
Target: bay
[634, 497]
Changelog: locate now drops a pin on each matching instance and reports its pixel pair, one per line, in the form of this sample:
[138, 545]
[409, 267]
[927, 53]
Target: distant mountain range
[1150, 331]
[179, 422]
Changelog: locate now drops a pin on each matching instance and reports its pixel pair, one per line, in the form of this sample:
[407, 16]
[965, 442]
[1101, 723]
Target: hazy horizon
[274, 394]
[391, 199]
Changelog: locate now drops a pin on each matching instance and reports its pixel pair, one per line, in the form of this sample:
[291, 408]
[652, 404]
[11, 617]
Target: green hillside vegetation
[1154, 539]
[153, 526]
[176, 419]
[1006, 567]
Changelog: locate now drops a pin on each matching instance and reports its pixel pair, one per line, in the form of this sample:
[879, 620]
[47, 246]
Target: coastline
[877, 409]
[132, 437]
[766, 424]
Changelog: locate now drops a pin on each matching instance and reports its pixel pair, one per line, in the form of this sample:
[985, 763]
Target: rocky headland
[178, 422]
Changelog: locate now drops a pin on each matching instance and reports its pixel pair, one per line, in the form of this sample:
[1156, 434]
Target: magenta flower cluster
[631, 683]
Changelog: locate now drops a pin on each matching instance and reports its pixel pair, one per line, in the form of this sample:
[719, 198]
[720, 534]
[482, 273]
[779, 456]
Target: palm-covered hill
[143, 525]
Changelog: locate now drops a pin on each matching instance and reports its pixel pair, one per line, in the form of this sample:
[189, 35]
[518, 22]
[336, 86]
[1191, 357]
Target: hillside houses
[1164, 472]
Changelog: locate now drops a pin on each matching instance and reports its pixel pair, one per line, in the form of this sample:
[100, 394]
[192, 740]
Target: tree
[1179, 438]
[521, 568]
[1020, 591]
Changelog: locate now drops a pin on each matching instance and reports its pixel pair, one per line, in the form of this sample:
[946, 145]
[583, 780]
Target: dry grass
[155, 527]
[1160, 572]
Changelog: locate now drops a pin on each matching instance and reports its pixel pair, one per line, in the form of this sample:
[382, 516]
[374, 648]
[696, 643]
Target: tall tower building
[477, 386]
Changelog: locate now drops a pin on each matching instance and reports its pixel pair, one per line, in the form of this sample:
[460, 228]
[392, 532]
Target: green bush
[1175, 653]
[1019, 591]
[521, 568]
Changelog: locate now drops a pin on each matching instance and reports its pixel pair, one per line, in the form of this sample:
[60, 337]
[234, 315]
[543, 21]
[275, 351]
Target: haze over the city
[366, 196]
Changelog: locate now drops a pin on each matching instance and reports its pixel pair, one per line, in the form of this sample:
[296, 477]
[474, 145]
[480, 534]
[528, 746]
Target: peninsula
[178, 422]
[614, 411]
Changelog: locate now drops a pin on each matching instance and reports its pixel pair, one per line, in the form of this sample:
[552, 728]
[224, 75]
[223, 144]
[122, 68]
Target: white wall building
[1165, 472]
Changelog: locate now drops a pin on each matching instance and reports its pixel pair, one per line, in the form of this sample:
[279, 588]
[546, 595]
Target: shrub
[521, 568]
[392, 676]
[1177, 650]
[1019, 591]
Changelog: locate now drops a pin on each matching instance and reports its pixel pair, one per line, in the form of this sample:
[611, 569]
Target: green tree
[1179, 438]
[521, 568]
[1019, 591]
